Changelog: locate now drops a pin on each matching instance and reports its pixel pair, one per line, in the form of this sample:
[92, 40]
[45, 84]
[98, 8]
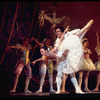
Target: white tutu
[74, 60]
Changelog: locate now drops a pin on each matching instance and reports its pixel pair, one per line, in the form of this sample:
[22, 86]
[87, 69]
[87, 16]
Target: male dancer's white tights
[59, 81]
[73, 80]
[75, 83]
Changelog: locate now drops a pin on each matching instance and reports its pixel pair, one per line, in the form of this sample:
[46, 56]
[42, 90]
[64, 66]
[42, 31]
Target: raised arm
[40, 44]
[97, 38]
[61, 39]
[34, 40]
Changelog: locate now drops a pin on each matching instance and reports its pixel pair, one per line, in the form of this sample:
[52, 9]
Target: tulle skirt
[97, 65]
[88, 65]
[74, 60]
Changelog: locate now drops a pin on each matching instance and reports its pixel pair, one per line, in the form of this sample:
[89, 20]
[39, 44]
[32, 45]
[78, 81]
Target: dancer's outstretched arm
[17, 46]
[44, 58]
[33, 62]
[97, 38]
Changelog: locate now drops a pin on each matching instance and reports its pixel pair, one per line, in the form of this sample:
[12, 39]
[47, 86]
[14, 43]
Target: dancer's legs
[86, 81]
[75, 83]
[97, 82]
[43, 69]
[27, 81]
[59, 81]
[15, 83]
[64, 83]
[80, 78]
[28, 73]
[50, 72]
[41, 83]
[51, 83]
[17, 72]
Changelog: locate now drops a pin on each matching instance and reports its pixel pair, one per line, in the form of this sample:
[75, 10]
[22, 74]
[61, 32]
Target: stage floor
[47, 95]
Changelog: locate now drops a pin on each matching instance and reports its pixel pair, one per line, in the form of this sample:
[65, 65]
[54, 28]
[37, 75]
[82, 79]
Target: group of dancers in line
[71, 54]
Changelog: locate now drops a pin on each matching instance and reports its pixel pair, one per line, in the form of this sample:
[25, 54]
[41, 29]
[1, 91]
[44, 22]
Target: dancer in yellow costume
[49, 66]
[45, 42]
[87, 65]
[97, 64]
[23, 61]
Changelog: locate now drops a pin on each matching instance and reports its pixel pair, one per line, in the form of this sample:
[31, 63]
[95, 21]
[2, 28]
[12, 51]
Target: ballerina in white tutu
[88, 65]
[97, 64]
[70, 46]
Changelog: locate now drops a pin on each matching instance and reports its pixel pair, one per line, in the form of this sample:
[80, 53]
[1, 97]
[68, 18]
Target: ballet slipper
[95, 90]
[63, 91]
[87, 90]
[39, 91]
[12, 91]
[52, 91]
[27, 91]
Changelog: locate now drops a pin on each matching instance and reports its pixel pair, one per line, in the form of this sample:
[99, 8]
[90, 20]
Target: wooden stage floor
[48, 95]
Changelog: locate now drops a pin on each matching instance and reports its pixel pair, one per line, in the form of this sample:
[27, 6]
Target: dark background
[80, 12]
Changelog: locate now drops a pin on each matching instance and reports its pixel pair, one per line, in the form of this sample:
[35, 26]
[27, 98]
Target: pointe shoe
[12, 91]
[39, 91]
[79, 91]
[87, 90]
[52, 91]
[27, 91]
[63, 91]
[89, 23]
[58, 92]
[95, 90]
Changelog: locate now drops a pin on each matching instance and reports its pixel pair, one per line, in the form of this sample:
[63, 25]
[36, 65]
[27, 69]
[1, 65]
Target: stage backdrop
[26, 23]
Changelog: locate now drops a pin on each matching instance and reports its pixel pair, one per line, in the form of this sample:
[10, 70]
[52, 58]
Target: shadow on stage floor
[47, 95]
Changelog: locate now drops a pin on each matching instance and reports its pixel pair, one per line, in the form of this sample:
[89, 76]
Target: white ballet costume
[74, 60]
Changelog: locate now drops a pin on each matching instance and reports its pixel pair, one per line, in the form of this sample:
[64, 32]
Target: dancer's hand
[33, 63]
[68, 28]
[65, 53]
[55, 49]
[32, 39]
